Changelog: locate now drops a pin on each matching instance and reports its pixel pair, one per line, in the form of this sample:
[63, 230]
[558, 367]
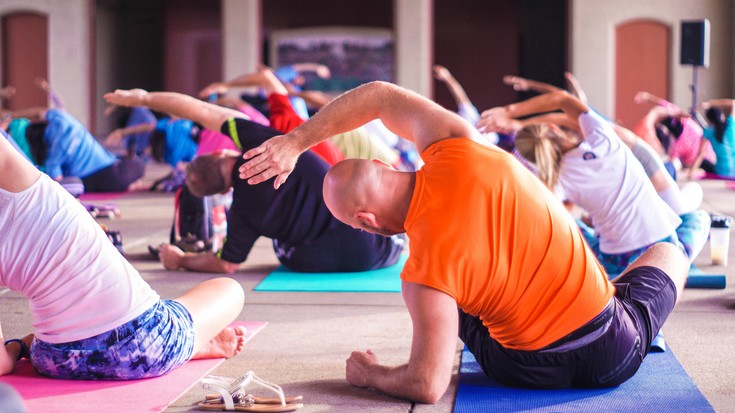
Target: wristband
[23, 348]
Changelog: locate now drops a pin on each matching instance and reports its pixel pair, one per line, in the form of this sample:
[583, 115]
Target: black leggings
[341, 249]
[116, 177]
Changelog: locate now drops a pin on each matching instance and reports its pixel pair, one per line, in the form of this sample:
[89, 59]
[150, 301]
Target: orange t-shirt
[487, 232]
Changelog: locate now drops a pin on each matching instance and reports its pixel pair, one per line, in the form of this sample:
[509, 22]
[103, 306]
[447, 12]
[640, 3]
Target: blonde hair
[540, 144]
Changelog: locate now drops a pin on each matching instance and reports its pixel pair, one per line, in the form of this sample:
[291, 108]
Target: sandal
[231, 395]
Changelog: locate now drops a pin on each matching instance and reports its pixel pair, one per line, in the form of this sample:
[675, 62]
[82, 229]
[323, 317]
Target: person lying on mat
[306, 237]
[486, 236]
[721, 135]
[95, 317]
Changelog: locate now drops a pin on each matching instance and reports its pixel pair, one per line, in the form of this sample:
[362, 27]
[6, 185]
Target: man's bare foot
[229, 342]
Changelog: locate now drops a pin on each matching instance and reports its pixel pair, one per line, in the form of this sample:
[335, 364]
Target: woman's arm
[11, 351]
[118, 134]
[262, 78]
[522, 84]
[559, 119]
[723, 104]
[548, 102]
[498, 119]
[8, 356]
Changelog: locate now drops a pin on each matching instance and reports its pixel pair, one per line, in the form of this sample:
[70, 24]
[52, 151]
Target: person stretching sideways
[95, 317]
[494, 256]
[306, 237]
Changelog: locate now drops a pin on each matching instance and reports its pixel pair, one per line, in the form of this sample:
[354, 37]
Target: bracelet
[23, 349]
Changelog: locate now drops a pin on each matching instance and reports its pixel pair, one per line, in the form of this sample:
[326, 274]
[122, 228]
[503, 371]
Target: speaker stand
[693, 108]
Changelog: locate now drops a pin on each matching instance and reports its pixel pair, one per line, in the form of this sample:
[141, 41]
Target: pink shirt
[686, 148]
[211, 141]
[254, 114]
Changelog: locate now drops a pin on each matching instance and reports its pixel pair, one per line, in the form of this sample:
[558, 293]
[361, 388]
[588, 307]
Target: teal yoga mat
[699, 279]
[384, 280]
[660, 385]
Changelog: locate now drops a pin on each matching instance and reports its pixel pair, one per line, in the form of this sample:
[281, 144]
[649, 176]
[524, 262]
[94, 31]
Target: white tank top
[53, 252]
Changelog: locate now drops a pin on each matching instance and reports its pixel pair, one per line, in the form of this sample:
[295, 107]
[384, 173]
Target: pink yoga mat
[43, 394]
[719, 177]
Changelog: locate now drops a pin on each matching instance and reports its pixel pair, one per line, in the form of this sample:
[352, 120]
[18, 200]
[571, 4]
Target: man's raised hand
[275, 157]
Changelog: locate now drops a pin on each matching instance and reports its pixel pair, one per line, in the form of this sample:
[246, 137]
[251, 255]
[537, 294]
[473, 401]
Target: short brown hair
[204, 176]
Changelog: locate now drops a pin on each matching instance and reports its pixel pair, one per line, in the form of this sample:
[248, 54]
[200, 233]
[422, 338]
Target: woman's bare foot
[229, 342]
[139, 185]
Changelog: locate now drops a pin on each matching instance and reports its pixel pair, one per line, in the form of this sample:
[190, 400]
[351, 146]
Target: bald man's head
[354, 192]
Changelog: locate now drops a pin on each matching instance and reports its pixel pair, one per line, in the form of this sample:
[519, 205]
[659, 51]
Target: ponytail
[540, 145]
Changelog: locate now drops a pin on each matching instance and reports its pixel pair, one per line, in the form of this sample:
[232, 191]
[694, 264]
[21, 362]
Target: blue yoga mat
[384, 280]
[660, 385]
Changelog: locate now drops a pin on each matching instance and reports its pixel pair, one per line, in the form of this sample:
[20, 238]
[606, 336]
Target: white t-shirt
[603, 177]
[53, 252]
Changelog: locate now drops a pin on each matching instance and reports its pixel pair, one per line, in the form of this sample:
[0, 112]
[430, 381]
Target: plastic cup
[719, 239]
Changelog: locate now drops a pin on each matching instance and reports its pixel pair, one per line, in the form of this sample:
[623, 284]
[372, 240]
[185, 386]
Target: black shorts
[116, 177]
[644, 298]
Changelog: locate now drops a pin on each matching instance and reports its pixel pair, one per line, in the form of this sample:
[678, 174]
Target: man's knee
[669, 258]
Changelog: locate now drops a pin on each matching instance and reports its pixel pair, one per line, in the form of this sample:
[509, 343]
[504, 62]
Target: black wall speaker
[695, 43]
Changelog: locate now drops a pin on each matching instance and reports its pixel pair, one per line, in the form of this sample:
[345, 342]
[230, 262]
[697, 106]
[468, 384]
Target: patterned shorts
[158, 341]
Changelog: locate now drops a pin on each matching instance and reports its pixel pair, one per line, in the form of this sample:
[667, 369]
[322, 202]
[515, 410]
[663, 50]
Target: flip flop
[257, 400]
[232, 396]
[247, 407]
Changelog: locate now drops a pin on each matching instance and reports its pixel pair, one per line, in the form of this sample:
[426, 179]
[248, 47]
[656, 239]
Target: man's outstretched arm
[405, 113]
[177, 104]
[426, 376]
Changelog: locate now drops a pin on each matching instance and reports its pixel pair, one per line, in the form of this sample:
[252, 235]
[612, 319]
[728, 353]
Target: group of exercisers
[543, 296]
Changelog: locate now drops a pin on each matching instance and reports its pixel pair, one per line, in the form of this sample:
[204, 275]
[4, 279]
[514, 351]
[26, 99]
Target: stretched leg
[213, 305]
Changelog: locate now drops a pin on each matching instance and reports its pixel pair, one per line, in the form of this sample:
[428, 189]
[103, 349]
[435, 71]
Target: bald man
[486, 236]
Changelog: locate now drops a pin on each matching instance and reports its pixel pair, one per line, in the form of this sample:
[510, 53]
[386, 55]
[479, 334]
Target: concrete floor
[310, 335]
